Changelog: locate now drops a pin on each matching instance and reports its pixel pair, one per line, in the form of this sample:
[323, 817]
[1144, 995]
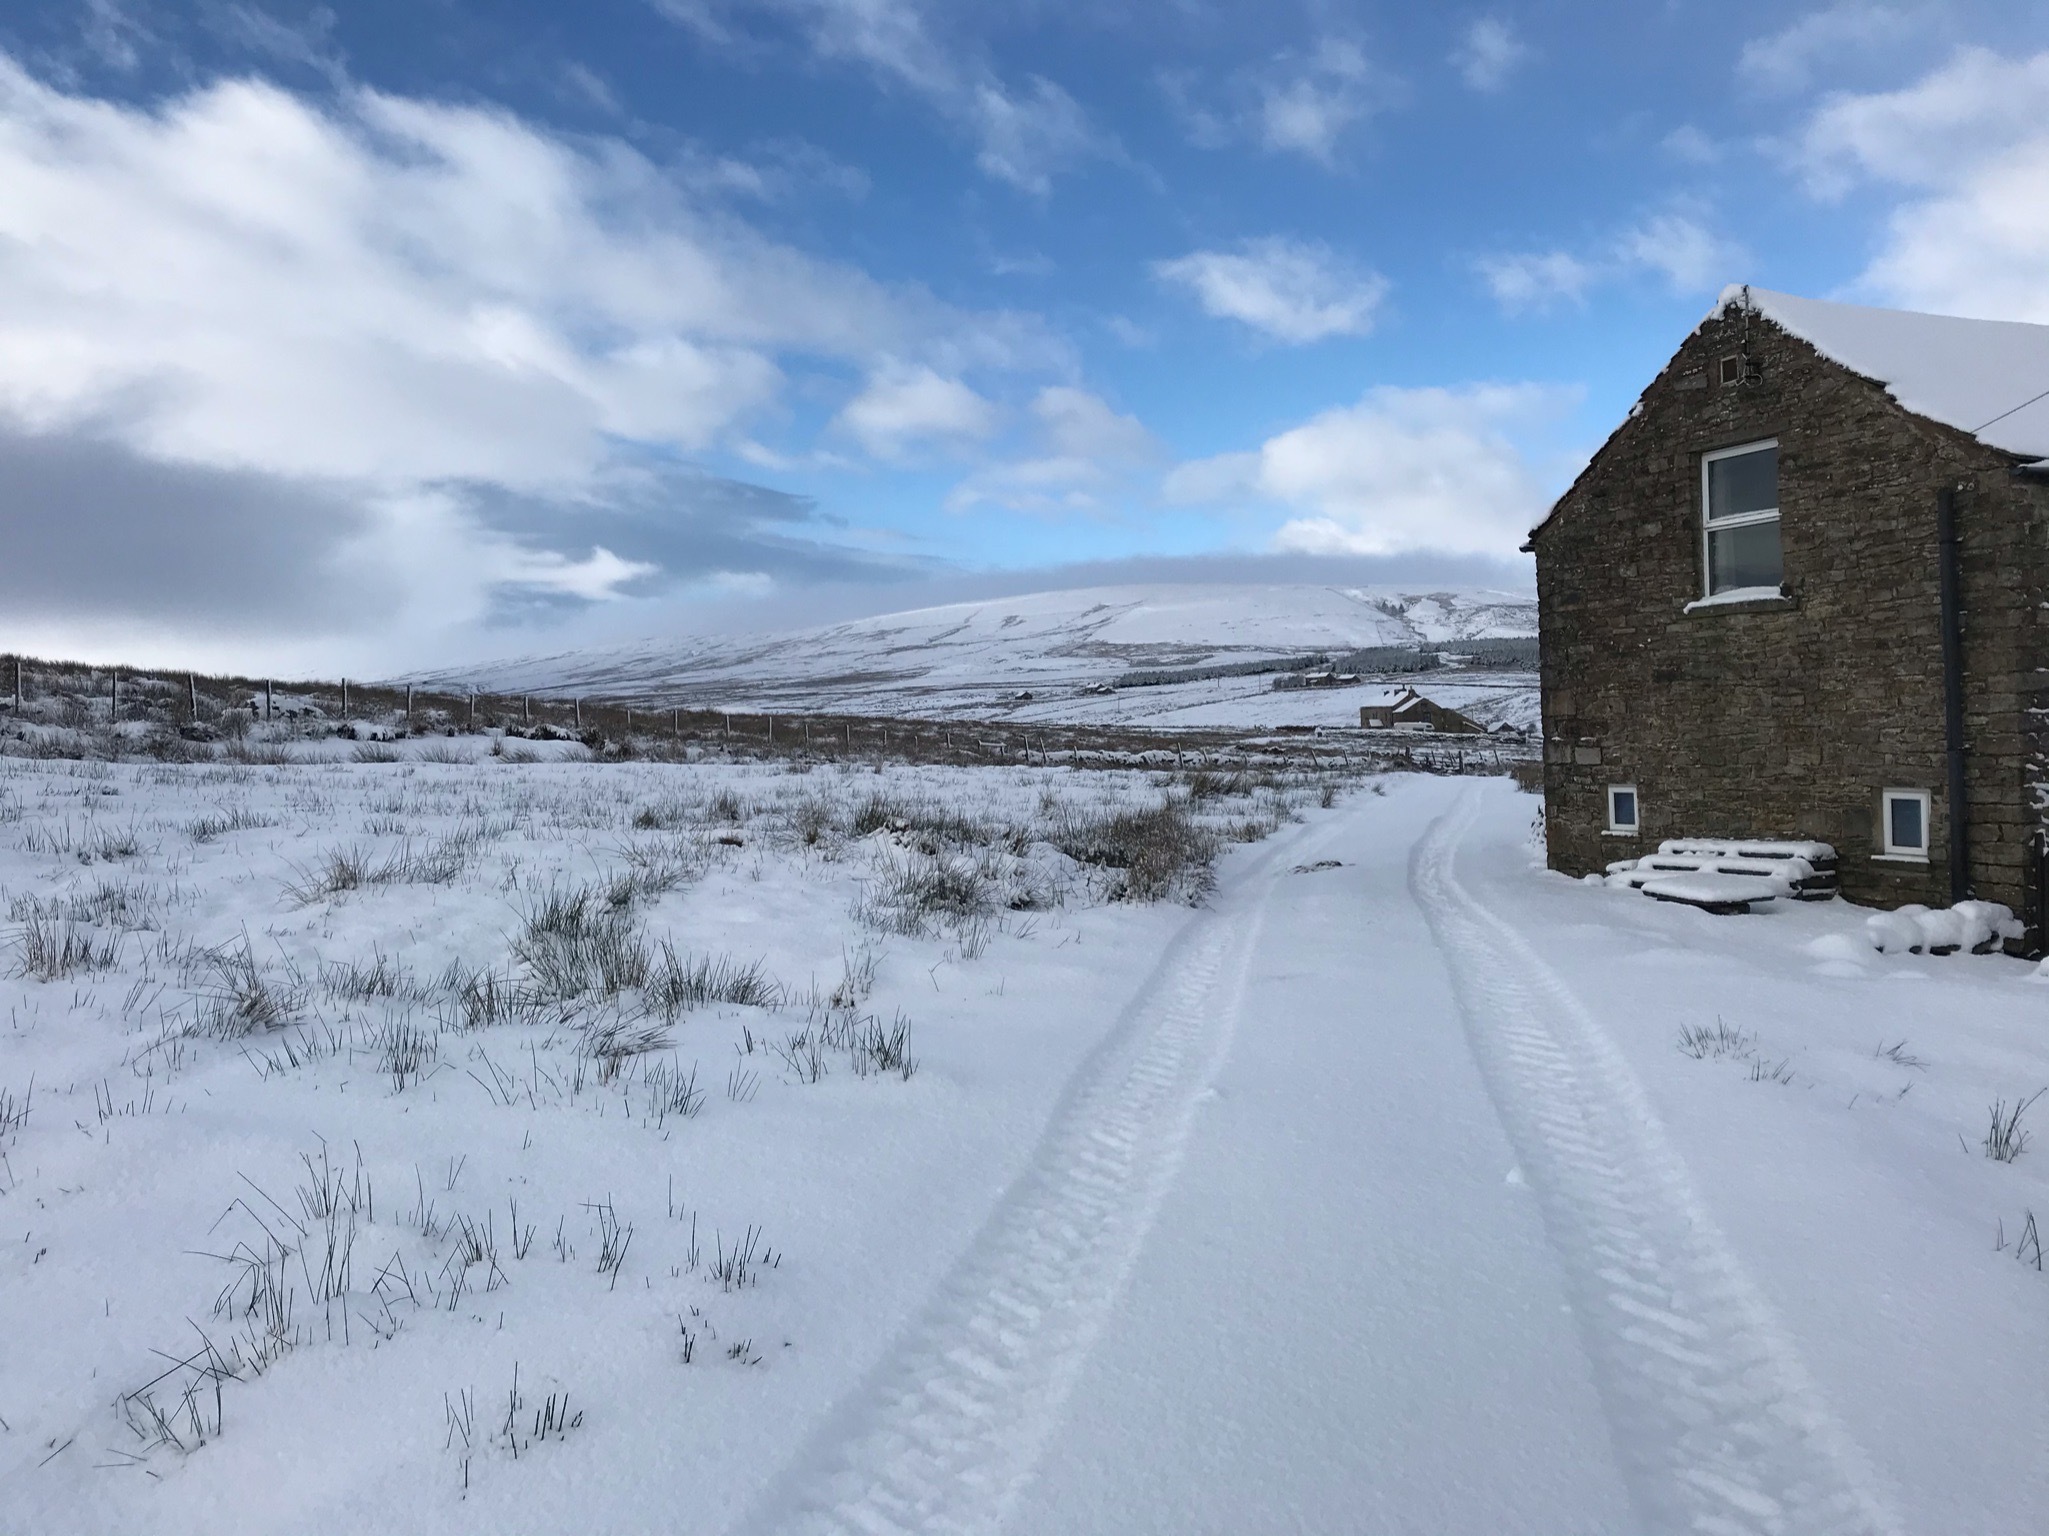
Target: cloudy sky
[412, 331]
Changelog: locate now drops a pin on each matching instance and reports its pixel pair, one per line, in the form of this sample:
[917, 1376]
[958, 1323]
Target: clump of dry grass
[1162, 851]
[52, 949]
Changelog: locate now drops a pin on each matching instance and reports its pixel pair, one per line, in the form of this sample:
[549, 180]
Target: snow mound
[1976, 926]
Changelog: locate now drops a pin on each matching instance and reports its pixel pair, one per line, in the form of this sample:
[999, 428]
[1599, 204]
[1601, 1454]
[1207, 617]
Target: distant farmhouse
[1803, 592]
[1406, 709]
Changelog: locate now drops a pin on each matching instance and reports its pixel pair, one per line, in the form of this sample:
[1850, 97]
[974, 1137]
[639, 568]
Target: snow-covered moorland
[494, 1135]
[530, 1146]
[1058, 656]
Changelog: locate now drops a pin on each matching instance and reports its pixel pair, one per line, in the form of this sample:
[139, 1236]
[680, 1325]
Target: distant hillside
[978, 658]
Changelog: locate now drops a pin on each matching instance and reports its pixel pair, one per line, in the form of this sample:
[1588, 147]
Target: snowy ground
[1374, 1193]
[1253, 703]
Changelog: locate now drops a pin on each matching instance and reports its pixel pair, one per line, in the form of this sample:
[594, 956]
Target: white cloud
[494, 348]
[1534, 281]
[905, 407]
[1976, 105]
[1968, 147]
[1295, 103]
[1028, 136]
[1306, 104]
[395, 291]
[1690, 145]
[1292, 290]
[1404, 469]
[1488, 54]
[310, 44]
[1786, 61]
[1677, 247]
[1024, 135]
[1686, 253]
[1128, 332]
[1087, 449]
[1084, 426]
[377, 283]
[113, 35]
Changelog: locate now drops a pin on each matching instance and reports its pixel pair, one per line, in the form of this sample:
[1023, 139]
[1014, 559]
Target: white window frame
[1886, 797]
[1711, 525]
[1617, 828]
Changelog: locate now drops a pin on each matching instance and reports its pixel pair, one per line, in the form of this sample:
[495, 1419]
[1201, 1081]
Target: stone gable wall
[1787, 718]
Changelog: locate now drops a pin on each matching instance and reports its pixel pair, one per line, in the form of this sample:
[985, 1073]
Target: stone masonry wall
[1786, 718]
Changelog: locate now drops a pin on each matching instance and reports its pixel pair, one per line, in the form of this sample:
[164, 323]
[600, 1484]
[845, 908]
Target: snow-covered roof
[1384, 697]
[1988, 377]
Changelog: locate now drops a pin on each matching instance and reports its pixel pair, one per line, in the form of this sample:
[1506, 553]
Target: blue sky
[398, 333]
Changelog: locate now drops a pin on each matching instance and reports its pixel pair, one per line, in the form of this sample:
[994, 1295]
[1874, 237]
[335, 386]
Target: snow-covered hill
[974, 658]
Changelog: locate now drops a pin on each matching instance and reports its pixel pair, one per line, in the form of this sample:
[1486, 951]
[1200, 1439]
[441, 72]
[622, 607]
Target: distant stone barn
[1803, 592]
[1405, 709]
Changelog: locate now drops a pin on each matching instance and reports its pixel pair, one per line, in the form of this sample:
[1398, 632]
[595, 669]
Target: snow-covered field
[506, 1009]
[1253, 704]
[970, 660]
[378, 1139]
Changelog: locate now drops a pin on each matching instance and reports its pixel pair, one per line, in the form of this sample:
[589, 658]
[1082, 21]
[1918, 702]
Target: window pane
[1905, 832]
[1748, 482]
[1744, 557]
[1624, 807]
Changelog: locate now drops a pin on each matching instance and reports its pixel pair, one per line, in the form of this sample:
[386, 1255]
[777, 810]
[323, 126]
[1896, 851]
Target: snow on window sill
[1620, 832]
[1899, 858]
[1742, 597]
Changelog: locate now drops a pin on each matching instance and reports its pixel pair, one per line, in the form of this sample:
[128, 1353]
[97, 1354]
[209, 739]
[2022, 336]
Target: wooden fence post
[577, 704]
[17, 685]
[409, 706]
[268, 707]
[473, 712]
[191, 692]
[345, 698]
[113, 698]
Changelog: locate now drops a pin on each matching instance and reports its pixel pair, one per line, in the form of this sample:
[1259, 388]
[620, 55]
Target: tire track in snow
[1719, 1428]
[946, 1435]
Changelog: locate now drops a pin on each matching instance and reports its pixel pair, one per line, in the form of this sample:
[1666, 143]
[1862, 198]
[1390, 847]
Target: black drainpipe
[1949, 563]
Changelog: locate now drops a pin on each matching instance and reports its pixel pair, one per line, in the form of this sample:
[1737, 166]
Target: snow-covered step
[1711, 892]
[1780, 875]
[1817, 854]
[1804, 870]
[1817, 884]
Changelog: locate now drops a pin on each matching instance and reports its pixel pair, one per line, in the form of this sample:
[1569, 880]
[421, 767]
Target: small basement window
[1905, 823]
[1622, 808]
[1740, 516]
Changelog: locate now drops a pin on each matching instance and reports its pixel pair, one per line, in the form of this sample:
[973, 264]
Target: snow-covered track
[1717, 1425]
[949, 1429]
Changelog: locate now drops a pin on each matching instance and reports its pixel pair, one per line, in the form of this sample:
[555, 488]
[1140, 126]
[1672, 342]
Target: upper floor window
[1740, 507]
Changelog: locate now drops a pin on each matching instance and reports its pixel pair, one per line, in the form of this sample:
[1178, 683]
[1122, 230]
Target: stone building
[1395, 709]
[1803, 592]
